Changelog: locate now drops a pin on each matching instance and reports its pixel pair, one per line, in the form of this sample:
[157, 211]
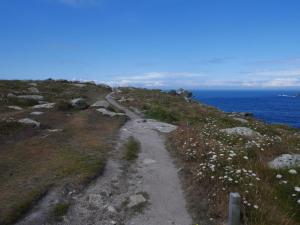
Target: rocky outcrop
[44, 106]
[240, 120]
[285, 161]
[14, 107]
[32, 97]
[29, 122]
[109, 113]
[101, 103]
[79, 103]
[33, 90]
[241, 114]
[242, 131]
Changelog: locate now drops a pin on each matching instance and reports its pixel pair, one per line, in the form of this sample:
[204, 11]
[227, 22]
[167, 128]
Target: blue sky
[153, 43]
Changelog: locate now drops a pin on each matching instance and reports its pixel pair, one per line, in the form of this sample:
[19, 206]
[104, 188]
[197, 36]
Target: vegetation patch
[218, 163]
[59, 210]
[132, 148]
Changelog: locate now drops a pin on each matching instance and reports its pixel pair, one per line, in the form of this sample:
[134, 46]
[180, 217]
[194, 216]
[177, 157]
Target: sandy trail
[105, 202]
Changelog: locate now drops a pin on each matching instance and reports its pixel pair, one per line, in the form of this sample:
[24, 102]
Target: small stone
[111, 209]
[136, 200]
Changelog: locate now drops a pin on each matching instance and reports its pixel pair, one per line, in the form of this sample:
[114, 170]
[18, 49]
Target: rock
[241, 114]
[109, 113]
[285, 161]
[113, 222]
[135, 200]
[240, 120]
[79, 85]
[79, 103]
[111, 209]
[14, 107]
[11, 95]
[33, 90]
[28, 121]
[160, 126]
[33, 84]
[44, 106]
[54, 130]
[101, 103]
[36, 113]
[33, 97]
[242, 131]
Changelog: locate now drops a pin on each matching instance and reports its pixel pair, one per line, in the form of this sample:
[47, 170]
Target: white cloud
[257, 79]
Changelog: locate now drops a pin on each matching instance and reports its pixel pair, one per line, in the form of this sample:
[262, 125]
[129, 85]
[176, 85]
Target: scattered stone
[109, 113]
[28, 121]
[135, 200]
[36, 113]
[33, 90]
[101, 103]
[14, 107]
[79, 103]
[33, 97]
[242, 131]
[44, 106]
[285, 161]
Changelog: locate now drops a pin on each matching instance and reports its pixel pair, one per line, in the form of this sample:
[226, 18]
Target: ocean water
[272, 106]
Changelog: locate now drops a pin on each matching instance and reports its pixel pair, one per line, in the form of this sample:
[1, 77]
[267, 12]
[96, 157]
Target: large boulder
[29, 122]
[79, 103]
[285, 161]
[241, 131]
[101, 103]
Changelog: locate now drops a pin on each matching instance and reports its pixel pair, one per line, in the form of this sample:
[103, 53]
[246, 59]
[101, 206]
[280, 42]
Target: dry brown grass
[34, 160]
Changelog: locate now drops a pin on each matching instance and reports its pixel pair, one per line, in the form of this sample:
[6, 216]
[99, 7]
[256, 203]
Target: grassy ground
[215, 164]
[35, 160]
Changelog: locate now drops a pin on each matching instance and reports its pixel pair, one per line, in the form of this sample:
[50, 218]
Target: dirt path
[153, 177]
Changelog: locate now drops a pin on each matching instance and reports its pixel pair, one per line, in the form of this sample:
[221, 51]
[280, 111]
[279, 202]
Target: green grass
[132, 148]
[59, 210]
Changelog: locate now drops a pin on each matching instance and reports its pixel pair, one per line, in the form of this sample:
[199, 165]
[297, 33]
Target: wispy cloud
[258, 79]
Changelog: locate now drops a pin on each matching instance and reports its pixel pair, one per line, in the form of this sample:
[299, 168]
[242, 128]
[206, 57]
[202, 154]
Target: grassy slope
[215, 164]
[32, 160]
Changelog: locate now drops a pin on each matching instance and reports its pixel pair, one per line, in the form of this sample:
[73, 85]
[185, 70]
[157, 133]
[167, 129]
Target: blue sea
[272, 106]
